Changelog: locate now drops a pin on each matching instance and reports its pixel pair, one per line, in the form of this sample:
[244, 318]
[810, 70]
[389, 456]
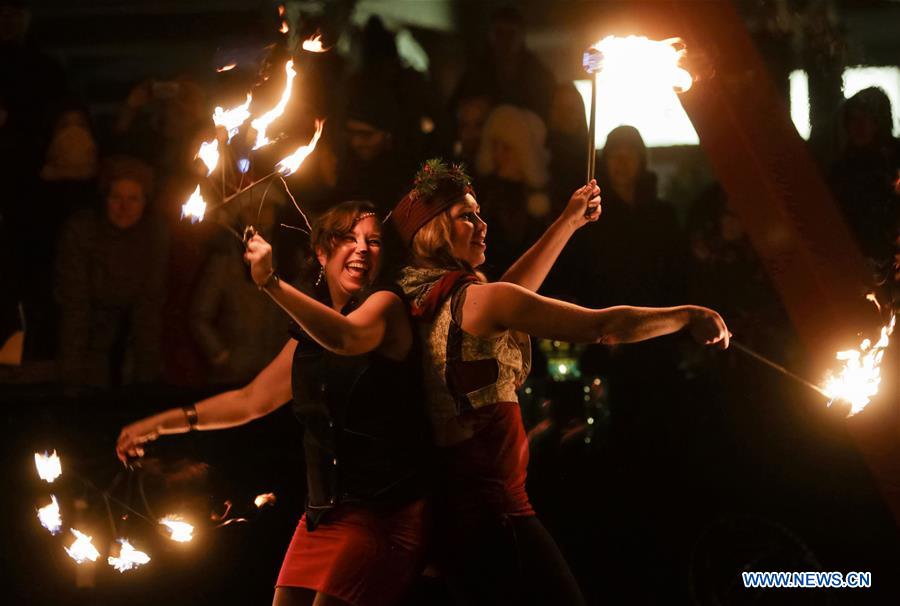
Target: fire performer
[354, 373]
[476, 355]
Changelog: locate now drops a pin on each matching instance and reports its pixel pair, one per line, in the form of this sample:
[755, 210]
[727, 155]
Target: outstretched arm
[531, 269]
[491, 308]
[362, 331]
[269, 390]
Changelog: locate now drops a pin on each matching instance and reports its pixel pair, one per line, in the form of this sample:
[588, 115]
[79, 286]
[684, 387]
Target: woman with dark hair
[353, 371]
[476, 355]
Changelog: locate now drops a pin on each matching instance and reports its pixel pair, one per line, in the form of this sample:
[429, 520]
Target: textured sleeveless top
[461, 372]
[366, 438]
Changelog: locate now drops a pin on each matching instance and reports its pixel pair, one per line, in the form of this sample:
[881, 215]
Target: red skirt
[364, 556]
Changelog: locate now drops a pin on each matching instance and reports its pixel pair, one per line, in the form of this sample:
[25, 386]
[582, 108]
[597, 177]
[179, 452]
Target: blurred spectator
[511, 179]
[507, 71]
[471, 114]
[864, 177]
[160, 121]
[66, 185]
[110, 283]
[373, 167]
[567, 144]
[238, 328]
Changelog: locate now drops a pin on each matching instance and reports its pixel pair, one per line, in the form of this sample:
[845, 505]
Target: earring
[321, 276]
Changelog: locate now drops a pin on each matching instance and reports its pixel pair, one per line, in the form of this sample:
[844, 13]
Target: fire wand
[592, 62]
[760, 358]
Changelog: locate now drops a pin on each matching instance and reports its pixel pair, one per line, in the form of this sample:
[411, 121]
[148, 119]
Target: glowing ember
[82, 549]
[179, 530]
[654, 62]
[195, 207]
[49, 516]
[209, 153]
[261, 500]
[284, 27]
[262, 123]
[129, 557]
[314, 44]
[49, 467]
[226, 68]
[281, 10]
[857, 382]
[291, 163]
[231, 119]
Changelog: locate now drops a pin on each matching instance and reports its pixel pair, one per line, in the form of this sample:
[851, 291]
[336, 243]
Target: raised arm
[491, 308]
[268, 391]
[380, 318]
[531, 269]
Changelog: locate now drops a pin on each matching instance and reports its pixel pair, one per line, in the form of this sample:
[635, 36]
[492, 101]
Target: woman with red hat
[476, 355]
[366, 442]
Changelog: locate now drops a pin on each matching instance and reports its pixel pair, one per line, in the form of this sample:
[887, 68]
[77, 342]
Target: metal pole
[778, 367]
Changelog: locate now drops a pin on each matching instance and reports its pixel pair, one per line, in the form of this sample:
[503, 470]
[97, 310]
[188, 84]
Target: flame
[314, 44]
[129, 557]
[195, 207]
[49, 466]
[284, 28]
[267, 498]
[49, 516]
[231, 119]
[82, 549]
[179, 530]
[209, 153]
[857, 382]
[655, 62]
[871, 297]
[226, 68]
[262, 123]
[281, 10]
[291, 163]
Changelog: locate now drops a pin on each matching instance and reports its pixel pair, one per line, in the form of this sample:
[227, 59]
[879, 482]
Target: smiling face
[468, 232]
[354, 260]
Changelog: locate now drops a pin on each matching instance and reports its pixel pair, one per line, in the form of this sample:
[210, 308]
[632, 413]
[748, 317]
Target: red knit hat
[437, 187]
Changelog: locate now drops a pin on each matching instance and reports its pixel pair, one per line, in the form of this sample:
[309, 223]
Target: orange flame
[284, 28]
[195, 207]
[231, 119]
[291, 163]
[267, 498]
[49, 516]
[129, 557]
[209, 154]
[314, 44]
[281, 10]
[82, 549]
[226, 68]
[857, 382]
[262, 123]
[179, 530]
[654, 61]
[49, 466]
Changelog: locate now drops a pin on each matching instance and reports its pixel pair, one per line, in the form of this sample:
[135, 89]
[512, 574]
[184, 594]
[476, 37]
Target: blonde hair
[431, 246]
[525, 133]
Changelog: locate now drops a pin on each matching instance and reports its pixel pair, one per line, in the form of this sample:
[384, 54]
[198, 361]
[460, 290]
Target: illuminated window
[655, 111]
[855, 79]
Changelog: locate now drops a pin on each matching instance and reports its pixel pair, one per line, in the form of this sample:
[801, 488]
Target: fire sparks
[49, 466]
[857, 382]
[291, 163]
[179, 530]
[284, 28]
[195, 207]
[129, 557]
[209, 153]
[653, 61]
[231, 119]
[226, 68]
[82, 549]
[49, 516]
[261, 500]
[314, 44]
[262, 123]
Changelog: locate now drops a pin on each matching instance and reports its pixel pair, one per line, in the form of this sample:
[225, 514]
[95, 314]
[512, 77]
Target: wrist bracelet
[190, 413]
[272, 280]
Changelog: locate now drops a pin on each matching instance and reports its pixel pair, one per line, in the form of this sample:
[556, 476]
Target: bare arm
[268, 391]
[531, 269]
[379, 323]
[491, 308]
